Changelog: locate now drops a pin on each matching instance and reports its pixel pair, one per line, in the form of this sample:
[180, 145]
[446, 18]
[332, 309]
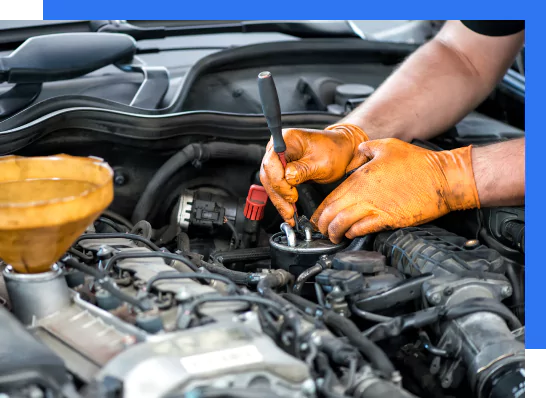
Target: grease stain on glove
[321, 156]
[399, 185]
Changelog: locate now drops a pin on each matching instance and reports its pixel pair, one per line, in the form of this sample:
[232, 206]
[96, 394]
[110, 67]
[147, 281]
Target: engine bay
[190, 284]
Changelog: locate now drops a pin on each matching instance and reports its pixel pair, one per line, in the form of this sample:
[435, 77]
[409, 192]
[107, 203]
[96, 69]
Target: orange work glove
[400, 185]
[322, 156]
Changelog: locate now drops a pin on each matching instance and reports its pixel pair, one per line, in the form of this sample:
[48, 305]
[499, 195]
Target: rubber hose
[118, 218]
[517, 291]
[200, 152]
[335, 321]
[357, 243]
[183, 242]
[368, 348]
[307, 200]
[305, 276]
[242, 255]
[239, 277]
[104, 283]
[273, 281]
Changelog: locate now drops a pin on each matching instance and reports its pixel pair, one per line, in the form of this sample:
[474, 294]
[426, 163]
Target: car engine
[215, 303]
[190, 285]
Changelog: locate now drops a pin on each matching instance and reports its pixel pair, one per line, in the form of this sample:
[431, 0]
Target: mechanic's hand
[322, 156]
[400, 185]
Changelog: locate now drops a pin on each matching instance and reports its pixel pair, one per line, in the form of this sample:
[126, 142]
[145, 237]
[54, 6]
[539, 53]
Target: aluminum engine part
[481, 343]
[88, 337]
[485, 345]
[35, 296]
[144, 269]
[231, 353]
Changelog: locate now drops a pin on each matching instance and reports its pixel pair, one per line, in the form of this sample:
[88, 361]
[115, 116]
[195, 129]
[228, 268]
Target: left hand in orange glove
[400, 185]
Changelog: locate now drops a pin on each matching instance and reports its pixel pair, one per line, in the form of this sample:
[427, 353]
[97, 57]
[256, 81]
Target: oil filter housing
[297, 250]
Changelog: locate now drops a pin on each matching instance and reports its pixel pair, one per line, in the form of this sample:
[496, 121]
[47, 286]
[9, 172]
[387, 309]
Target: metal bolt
[435, 298]
[308, 387]
[324, 257]
[128, 340]
[471, 244]
[446, 382]
[55, 267]
[119, 178]
[304, 346]
[396, 377]
[35, 392]
[448, 291]
[183, 295]
[506, 291]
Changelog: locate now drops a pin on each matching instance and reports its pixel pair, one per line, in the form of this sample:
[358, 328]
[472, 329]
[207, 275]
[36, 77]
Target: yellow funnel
[46, 203]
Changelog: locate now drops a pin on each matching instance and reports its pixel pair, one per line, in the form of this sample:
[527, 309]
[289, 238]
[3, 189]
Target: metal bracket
[154, 86]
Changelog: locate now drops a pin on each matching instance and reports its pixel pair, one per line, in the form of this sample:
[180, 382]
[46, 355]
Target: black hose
[242, 255]
[118, 218]
[309, 199]
[170, 256]
[188, 275]
[115, 235]
[397, 325]
[200, 152]
[183, 242]
[518, 297]
[274, 280]
[309, 273]
[357, 243]
[369, 316]
[239, 277]
[193, 307]
[234, 232]
[102, 280]
[110, 223]
[80, 255]
[369, 349]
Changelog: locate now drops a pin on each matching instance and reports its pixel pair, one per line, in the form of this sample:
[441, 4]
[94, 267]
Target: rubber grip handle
[271, 109]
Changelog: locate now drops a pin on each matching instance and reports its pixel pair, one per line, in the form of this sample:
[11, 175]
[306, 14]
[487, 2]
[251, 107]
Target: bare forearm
[436, 86]
[499, 171]
[431, 91]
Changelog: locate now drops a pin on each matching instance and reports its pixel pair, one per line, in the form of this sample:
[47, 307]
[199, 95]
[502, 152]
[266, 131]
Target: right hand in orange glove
[322, 156]
[400, 185]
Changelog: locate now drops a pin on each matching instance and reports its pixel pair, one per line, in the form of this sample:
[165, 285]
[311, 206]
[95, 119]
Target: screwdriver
[272, 113]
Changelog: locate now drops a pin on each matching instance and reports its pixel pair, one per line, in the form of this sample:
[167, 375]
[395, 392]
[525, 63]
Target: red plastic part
[255, 203]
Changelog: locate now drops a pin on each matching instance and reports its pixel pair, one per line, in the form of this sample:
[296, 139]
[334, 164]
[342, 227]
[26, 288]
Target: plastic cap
[255, 203]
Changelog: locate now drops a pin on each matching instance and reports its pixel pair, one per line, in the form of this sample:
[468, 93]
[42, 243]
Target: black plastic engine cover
[24, 360]
[429, 249]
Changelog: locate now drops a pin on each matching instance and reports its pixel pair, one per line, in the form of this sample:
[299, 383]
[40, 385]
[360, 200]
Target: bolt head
[119, 179]
[435, 298]
[308, 387]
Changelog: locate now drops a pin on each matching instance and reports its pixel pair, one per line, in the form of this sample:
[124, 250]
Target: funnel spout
[46, 203]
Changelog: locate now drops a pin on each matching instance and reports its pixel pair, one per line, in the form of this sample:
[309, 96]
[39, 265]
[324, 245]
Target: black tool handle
[271, 109]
